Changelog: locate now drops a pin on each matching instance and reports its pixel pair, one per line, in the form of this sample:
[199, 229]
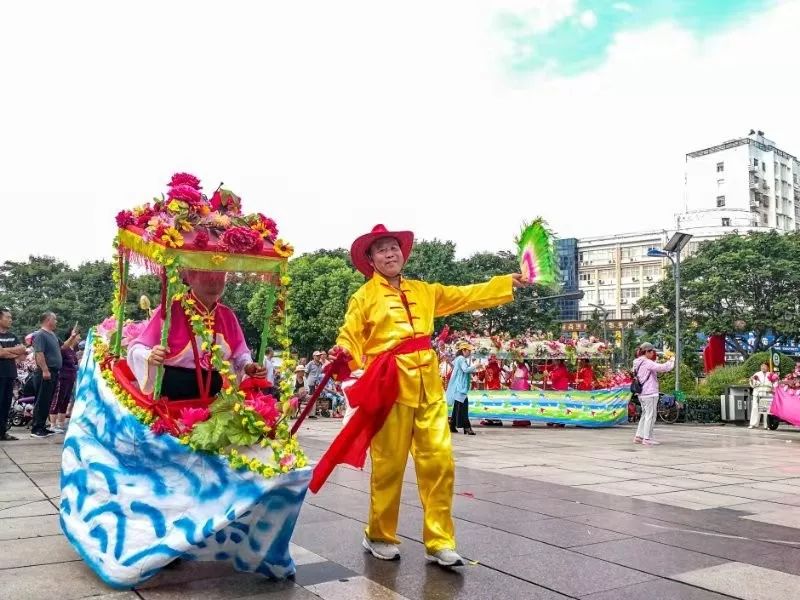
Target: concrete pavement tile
[35, 551]
[719, 479]
[787, 560]
[490, 513]
[774, 486]
[745, 581]
[628, 524]
[65, 581]
[238, 585]
[8, 467]
[759, 506]
[657, 589]
[29, 527]
[564, 533]
[567, 572]
[790, 517]
[675, 502]
[746, 491]
[355, 588]
[29, 493]
[12, 481]
[480, 543]
[716, 544]
[577, 478]
[301, 556]
[650, 557]
[48, 478]
[26, 508]
[704, 497]
[553, 507]
[630, 488]
[320, 572]
[44, 467]
[686, 483]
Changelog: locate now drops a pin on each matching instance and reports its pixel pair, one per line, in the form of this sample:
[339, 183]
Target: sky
[458, 120]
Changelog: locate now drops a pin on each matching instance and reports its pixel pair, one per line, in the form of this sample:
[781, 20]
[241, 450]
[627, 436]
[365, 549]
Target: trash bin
[735, 403]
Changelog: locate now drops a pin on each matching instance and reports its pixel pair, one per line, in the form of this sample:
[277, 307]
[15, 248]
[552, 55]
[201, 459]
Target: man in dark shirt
[48, 363]
[10, 351]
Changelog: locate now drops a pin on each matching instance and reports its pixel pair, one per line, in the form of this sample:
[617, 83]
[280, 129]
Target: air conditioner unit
[624, 301]
[601, 302]
[648, 278]
[634, 279]
[611, 262]
[601, 281]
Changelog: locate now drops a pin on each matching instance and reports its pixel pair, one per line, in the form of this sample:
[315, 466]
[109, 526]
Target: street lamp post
[672, 251]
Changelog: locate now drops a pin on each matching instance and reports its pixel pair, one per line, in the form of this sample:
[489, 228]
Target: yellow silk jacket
[377, 320]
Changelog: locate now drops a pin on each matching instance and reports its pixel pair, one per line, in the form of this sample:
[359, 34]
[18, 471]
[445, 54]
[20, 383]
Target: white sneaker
[380, 550]
[59, 430]
[446, 558]
[648, 442]
[751, 426]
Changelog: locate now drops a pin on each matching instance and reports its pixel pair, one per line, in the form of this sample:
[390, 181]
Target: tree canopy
[732, 285]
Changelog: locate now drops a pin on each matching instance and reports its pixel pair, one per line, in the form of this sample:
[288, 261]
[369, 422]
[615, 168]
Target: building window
[630, 293]
[763, 166]
[626, 314]
[720, 167]
[607, 296]
[755, 162]
[726, 222]
[585, 277]
[720, 201]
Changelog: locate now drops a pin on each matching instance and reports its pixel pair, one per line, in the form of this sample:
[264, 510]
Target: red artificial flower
[125, 218]
[266, 407]
[161, 426]
[201, 239]
[186, 193]
[241, 240]
[185, 179]
[227, 202]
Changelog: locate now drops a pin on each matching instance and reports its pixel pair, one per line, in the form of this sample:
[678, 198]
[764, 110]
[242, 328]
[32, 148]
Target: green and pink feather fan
[536, 252]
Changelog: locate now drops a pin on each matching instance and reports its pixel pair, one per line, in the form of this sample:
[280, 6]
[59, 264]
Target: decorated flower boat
[603, 407]
[146, 480]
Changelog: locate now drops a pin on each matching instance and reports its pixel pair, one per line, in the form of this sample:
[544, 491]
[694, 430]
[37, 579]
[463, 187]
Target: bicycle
[668, 408]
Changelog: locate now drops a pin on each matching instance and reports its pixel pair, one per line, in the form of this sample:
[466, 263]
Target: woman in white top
[762, 382]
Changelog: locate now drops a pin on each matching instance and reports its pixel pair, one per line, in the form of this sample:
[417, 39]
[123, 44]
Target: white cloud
[355, 113]
[588, 19]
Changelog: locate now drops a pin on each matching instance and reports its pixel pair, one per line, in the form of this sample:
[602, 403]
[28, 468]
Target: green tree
[517, 317]
[434, 261]
[318, 294]
[594, 325]
[735, 283]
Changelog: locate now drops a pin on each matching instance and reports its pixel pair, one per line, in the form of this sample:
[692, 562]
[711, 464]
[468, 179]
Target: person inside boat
[187, 365]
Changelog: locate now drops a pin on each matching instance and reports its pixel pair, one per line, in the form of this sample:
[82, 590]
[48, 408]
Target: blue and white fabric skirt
[133, 501]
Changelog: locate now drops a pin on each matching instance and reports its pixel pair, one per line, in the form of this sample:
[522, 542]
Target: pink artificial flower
[144, 217]
[131, 331]
[226, 202]
[186, 193]
[294, 403]
[125, 218]
[192, 416]
[107, 327]
[241, 240]
[288, 460]
[185, 179]
[266, 407]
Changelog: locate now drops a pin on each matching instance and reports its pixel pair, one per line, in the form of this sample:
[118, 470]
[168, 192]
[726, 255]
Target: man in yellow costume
[400, 399]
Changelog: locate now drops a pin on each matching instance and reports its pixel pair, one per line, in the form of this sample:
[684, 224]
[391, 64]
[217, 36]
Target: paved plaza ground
[541, 513]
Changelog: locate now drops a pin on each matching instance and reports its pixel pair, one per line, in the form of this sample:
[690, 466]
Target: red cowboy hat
[360, 248]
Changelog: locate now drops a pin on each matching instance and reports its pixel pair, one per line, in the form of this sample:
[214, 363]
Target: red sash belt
[374, 394]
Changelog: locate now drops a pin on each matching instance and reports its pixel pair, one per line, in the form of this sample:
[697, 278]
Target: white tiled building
[745, 182]
[742, 185]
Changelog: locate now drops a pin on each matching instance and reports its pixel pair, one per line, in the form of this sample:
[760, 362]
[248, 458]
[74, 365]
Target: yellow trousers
[425, 431]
